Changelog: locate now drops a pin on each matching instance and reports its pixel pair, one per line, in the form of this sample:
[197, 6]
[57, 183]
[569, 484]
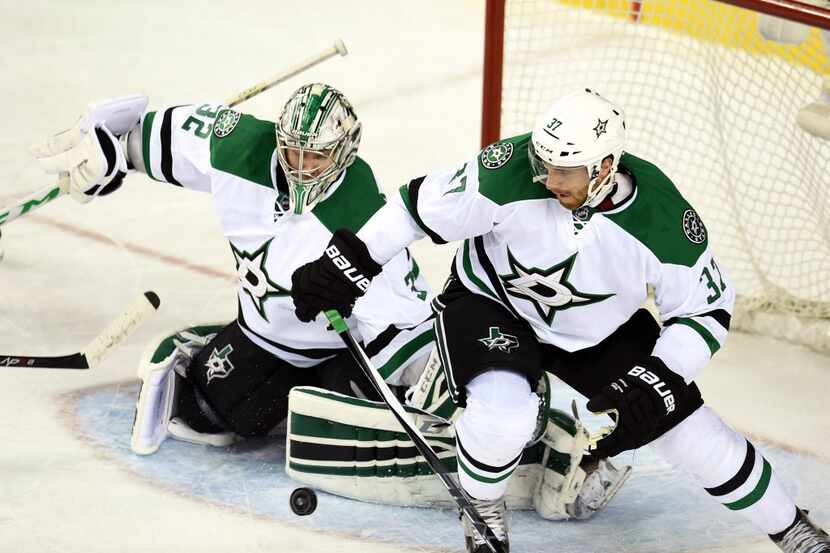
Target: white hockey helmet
[580, 129]
[317, 119]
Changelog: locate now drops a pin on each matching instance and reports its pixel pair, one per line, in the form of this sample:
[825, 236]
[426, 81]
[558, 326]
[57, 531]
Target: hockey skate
[602, 483]
[803, 537]
[494, 514]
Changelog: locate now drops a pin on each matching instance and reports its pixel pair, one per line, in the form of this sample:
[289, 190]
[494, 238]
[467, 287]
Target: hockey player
[281, 190]
[563, 234]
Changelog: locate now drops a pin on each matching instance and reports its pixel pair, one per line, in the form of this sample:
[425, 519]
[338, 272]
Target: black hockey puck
[303, 501]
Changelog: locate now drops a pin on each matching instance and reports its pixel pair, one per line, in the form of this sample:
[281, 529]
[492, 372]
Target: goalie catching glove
[336, 279]
[89, 157]
[639, 402]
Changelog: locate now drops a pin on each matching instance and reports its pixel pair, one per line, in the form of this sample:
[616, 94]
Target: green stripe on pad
[562, 420]
[405, 469]
[558, 462]
[304, 425]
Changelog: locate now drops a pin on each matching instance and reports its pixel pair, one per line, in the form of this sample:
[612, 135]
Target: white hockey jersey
[575, 277]
[232, 156]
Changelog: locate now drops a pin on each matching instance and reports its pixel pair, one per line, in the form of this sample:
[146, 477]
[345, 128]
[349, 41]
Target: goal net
[712, 103]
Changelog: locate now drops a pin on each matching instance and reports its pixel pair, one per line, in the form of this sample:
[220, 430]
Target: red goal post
[731, 99]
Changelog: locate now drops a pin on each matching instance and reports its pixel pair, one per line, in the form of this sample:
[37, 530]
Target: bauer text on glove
[336, 279]
[642, 398]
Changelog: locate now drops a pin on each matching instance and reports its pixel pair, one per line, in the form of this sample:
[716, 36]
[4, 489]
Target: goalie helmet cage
[714, 104]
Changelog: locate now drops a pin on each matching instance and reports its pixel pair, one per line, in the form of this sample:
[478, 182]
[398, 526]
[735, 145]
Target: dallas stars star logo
[219, 364]
[548, 290]
[497, 340]
[253, 276]
[600, 128]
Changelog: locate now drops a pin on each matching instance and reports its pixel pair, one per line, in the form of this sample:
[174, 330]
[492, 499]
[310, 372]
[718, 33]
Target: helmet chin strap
[598, 192]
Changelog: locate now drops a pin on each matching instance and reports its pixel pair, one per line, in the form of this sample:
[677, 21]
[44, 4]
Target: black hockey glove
[643, 397]
[335, 280]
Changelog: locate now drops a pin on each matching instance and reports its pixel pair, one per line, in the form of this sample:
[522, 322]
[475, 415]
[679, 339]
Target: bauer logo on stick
[226, 122]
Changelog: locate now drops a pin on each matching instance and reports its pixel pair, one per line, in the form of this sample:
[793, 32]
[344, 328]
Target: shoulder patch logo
[496, 155]
[226, 122]
[693, 227]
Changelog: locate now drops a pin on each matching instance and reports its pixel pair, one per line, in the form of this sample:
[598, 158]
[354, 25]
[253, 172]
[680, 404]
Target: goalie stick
[462, 500]
[47, 194]
[117, 331]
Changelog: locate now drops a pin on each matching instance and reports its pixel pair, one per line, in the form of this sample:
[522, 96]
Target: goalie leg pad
[567, 488]
[431, 394]
[357, 449]
[162, 371]
[601, 482]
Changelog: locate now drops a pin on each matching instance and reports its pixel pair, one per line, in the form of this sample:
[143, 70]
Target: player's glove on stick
[335, 280]
[642, 398]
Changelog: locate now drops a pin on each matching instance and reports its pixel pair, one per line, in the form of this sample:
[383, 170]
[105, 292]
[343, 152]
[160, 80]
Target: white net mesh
[714, 105]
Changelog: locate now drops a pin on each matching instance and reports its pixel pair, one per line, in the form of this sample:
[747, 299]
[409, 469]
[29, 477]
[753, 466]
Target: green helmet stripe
[295, 116]
[326, 110]
[313, 116]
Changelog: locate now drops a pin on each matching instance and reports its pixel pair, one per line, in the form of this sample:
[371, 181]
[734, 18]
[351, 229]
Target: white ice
[414, 75]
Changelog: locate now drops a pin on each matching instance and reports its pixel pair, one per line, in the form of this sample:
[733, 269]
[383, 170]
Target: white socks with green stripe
[730, 469]
[493, 430]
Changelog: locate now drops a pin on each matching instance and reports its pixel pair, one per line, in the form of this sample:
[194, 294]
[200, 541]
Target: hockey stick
[337, 48]
[117, 331]
[34, 200]
[45, 195]
[462, 500]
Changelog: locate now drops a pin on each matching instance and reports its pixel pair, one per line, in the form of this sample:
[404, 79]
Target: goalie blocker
[356, 448]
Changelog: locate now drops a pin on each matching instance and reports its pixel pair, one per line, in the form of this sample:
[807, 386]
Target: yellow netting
[735, 28]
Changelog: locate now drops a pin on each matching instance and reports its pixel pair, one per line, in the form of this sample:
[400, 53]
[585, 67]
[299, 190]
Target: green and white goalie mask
[317, 139]
[578, 132]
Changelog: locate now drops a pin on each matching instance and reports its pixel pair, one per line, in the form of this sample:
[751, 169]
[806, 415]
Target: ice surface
[67, 481]
[658, 509]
